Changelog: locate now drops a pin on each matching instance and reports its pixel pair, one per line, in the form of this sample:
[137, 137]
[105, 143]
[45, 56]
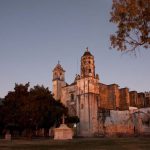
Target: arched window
[72, 97]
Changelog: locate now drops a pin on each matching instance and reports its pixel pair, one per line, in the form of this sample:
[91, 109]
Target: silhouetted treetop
[132, 18]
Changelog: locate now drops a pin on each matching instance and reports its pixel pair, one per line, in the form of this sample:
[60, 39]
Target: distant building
[87, 97]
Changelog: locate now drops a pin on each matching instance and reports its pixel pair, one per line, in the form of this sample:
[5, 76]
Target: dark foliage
[72, 119]
[33, 108]
[132, 18]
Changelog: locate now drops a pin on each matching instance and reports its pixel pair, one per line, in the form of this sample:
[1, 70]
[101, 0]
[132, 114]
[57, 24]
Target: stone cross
[87, 49]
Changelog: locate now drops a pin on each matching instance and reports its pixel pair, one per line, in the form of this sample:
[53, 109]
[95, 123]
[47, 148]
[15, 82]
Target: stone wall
[113, 98]
[147, 102]
[126, 122]
[124, 99]
[141, 99]
[133, 98]
[119, 123]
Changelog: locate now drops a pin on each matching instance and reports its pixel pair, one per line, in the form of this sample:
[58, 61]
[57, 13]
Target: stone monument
[7, 136]
[63, 132]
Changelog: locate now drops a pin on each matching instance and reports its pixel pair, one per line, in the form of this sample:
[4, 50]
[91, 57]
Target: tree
[27, 109]
[72, 119]
[1, 116]
[132, 18]
[46, 111]
[13, 107]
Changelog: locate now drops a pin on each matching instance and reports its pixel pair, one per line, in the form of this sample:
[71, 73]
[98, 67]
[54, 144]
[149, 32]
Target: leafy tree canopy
[132, 18]
[31, 108]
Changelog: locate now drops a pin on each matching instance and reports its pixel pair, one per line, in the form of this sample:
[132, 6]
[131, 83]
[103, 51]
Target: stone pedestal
[63, 133]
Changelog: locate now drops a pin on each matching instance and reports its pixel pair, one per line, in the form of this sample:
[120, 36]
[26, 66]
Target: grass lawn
[138, 143]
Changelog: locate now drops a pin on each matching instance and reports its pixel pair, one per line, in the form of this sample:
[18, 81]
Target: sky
[35, 34]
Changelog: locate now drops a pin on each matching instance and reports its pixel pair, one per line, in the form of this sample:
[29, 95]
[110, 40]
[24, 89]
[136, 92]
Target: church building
[87, 97]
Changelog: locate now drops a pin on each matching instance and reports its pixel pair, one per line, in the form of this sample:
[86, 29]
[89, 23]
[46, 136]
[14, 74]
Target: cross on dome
[87, 52]
[87, 49]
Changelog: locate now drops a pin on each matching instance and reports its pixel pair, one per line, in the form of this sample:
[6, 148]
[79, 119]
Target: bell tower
[87, 96]
[87, 64]
[58, 81]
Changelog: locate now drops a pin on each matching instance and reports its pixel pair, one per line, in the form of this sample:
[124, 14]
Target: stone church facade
[87, 97]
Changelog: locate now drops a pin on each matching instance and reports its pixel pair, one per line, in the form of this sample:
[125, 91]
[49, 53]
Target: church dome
[58, 67]
[87, 53]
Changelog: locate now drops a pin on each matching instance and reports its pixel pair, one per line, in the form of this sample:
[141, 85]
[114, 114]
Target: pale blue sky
[35, 34]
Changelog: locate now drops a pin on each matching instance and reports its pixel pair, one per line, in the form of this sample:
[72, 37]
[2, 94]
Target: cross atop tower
[87, 49]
